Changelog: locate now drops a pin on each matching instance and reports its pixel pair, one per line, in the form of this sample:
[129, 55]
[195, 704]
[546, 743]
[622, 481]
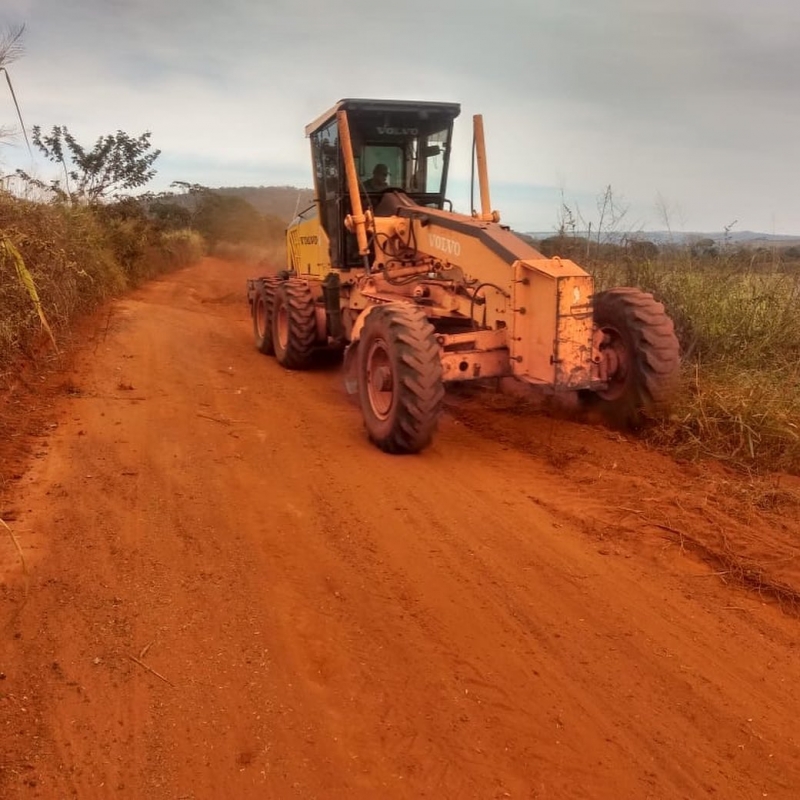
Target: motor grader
[417, 295]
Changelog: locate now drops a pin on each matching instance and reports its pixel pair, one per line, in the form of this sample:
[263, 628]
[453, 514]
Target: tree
[230, 219]
[116, 162]
[704, 248]
[169, 215]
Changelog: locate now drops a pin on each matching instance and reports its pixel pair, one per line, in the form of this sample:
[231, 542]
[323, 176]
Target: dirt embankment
[230, 593]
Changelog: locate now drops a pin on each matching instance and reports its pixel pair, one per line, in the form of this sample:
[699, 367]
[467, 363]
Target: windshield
[401, 152]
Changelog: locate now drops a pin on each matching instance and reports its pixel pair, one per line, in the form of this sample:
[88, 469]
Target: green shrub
[77, 257]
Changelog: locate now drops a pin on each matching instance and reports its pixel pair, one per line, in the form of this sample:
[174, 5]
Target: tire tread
[419, 375]
[301, 312]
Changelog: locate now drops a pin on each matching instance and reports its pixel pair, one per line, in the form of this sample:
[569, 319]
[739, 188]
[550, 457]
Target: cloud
[692, 101]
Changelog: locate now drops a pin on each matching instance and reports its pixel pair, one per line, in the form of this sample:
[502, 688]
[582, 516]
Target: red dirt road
[231, 594]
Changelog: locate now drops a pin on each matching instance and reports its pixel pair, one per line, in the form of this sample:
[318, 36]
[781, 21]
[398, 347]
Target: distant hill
[284, 202]
[749, 238]
[278, 201]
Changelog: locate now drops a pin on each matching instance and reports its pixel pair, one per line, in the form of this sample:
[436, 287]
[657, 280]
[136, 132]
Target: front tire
[294, 324]
[400, 383]
[642, 353]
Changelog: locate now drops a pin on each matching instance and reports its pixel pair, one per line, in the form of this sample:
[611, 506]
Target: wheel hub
[380, 379]
[383, 378]
[615, 363]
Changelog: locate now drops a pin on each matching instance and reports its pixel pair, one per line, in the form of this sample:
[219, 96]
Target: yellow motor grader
[418, 295]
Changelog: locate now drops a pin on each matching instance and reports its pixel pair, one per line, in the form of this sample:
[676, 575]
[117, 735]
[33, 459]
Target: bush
[77, 257]
[182, 247]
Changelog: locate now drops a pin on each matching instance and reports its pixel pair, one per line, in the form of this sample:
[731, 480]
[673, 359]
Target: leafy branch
[116, 162]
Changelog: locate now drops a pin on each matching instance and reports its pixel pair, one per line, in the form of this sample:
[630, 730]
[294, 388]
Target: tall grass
[739, 328]
[77, 257]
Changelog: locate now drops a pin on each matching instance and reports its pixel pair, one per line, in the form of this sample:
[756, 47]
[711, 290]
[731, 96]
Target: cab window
[391, 156]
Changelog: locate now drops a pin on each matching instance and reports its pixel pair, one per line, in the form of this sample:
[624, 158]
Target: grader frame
[417, 295]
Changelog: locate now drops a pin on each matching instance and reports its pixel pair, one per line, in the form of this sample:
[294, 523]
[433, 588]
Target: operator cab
[410, 139]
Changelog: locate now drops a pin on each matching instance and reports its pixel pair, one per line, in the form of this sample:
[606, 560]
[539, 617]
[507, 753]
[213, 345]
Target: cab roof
[448, 110]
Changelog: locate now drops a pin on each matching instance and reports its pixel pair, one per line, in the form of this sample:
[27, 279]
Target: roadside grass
[739, 328]
[76, 257]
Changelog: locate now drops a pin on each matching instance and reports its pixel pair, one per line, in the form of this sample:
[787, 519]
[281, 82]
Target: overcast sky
[690, 109]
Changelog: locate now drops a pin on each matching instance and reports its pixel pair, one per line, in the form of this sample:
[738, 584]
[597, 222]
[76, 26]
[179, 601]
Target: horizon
[16, 186]
[733, 233]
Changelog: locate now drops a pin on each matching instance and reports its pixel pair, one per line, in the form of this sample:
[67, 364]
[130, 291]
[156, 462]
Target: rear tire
[647, 354]
[400, 385]
[262, 316]
[294, 324]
